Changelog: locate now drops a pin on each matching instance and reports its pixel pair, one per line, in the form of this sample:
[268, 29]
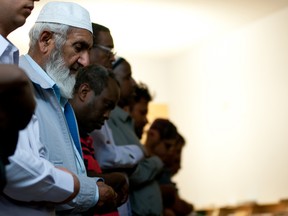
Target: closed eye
[81, 46]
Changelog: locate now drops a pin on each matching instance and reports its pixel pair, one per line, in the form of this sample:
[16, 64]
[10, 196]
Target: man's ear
[46, 41]
[83, 91]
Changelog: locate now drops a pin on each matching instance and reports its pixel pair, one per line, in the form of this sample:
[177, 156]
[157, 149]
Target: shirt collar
[40, 71]
[60, 99]
[4, 43]
[123, 115]
[9, 53]
[47, 79]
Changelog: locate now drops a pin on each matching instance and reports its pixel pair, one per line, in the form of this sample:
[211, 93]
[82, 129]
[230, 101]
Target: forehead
[141, 105]
[142, 102]
[169, 141]
[104, 38]
[78, 35]
[123, 69]
[111, 91]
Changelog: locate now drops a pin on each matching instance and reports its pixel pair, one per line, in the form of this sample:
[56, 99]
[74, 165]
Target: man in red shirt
[96, 93]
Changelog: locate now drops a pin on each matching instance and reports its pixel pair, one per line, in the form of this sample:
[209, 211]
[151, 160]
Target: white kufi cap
[67, 13]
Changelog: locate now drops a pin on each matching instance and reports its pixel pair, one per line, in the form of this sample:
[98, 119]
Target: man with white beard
[47, 172]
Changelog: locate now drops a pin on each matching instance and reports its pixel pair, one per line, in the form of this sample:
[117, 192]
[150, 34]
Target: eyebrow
[84, 44]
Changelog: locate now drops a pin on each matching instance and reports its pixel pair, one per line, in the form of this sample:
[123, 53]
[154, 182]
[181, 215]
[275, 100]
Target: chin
[97, 127]
[100, 126]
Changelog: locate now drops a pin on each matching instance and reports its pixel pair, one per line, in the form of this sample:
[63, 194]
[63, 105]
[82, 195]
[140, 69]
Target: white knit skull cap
[67, 13]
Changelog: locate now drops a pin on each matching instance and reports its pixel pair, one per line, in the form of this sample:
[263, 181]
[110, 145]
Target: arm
[17, 105]
[119, 183]
[143, 170]
[115, 183]
[110, 155]
[146, 171]
[16, 94]
[107, 198]
[181, 207]
[30, 177]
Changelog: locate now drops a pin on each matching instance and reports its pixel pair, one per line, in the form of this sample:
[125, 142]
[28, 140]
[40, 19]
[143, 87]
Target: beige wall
[236, 115]
[229, 97]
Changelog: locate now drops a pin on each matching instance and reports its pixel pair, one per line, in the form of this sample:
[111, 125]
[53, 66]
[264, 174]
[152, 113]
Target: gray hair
[60, 33]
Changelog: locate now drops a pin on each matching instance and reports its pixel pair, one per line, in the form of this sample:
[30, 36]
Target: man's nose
[84, 59]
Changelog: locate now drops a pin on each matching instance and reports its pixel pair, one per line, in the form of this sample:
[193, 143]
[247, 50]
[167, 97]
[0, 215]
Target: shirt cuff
[63, 181]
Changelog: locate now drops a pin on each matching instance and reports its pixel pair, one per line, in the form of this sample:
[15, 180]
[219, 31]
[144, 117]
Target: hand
[119, 182]
[107, 198]
[169, 194]
[181, 207]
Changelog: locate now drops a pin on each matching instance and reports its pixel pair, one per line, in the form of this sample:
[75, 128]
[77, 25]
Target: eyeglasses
[108, 51]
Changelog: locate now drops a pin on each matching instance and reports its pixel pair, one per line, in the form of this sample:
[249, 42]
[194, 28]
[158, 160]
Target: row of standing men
[71, 158]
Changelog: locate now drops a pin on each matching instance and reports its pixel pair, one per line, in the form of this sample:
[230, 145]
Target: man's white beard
[60, 73]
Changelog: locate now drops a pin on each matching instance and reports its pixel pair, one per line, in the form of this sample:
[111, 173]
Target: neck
[37, 56]
[3, 33]
[5, 29]
[124, 105]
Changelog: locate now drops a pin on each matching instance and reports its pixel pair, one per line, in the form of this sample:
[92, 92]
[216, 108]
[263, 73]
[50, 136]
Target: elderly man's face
[76, 49]
[63, 64]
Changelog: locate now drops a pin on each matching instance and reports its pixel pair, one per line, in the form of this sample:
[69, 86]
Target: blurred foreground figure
[16, 109]
[15, 92]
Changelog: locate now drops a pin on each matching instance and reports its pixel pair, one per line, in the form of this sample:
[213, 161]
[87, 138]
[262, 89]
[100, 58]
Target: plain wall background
[229, 97]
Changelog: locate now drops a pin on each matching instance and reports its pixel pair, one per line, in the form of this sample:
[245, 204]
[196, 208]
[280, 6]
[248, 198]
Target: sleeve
[146, 171]
[87, 197]
[110, 155]
[30, 177]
